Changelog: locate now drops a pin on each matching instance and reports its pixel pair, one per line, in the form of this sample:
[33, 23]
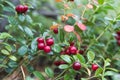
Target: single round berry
[94, 67]
[41, 46]
[72, 43]
[19, 9]
[67, 52]
[118, 42]
[57, 63]
[50, 42]
[76, 66]
[47, 49]
[55, 30]
[73, 50]
[118, 33]
[81, 51]
[40, 40]
[25, 8]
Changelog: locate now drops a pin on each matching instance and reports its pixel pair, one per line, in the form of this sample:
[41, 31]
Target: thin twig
[23, 73]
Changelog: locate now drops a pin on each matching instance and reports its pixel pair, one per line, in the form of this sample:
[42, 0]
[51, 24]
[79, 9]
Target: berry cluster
[21, 8]
[118, 37]
[45, 44]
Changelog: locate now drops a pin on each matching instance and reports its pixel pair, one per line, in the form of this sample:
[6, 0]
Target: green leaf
[13, 58]
[109, 73]
[22, 50]
[98, 71]
[29, 19]
[49, 72]
[63, 66]
[57, 48]
[81, 58]
[67, 77]
[34, 45]
[39, 75]
[70, 21]
[112, 69]
[3, 66]
[66, 58]
[61, 35]
[90, 55]
[5, 52]
[9, 48]
[29, 78]
[100, 1]
[9, 3]
[5, 35]
[21, 18]
[84, 79]
[28, 31]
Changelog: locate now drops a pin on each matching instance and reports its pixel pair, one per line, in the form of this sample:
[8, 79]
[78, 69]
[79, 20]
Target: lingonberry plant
[83, 43]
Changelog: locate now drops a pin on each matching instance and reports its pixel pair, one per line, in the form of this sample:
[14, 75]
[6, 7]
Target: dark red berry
[50, 42]
[72, 43]
[57, 63]
[118, 42]
[117, 37]
[55, 30]
[40, 40]
[94, 67]
[20, 9]
[76, 66]
[67, 52]
[118, 33]
[73, 50]
[81, 51]
[47, 49]
[41, 46]
[25, 8]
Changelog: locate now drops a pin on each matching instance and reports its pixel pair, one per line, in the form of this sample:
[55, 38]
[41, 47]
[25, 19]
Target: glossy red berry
[76, 66]
[19, 9]
[40, 40]
[41, 46]
[67, 52]
[55, 30]
[25, 8]
[47, 49]
[73, 50]
[72, 43]
[50, 42]
[94, 67]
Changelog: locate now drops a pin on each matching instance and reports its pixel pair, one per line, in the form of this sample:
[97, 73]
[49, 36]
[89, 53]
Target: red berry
[117, 37]
[73, 50]
[72, 43]
[57, 63]
[19, 8]
[94, 67]
[81, 51]
[55, 30]
[25, 8]
[50, 42]
[118, 42]
[47, 49]
[67, 52]
[118, 32]
[76, 66]
[71, 0]
[40, 40]
[41, 46]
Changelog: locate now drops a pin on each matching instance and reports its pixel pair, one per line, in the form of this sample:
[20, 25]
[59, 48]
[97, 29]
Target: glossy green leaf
[13, 58]
[49, 72]
[98, 71]
[81, 58]
[70, 21]
[100, 1]
[57, 48]
[63, 66]
[90, 55]
[5, 52]
[5, 35]
[66, 58]
[21, 18]
[22, 50]
[39, 75]
[28, 31]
